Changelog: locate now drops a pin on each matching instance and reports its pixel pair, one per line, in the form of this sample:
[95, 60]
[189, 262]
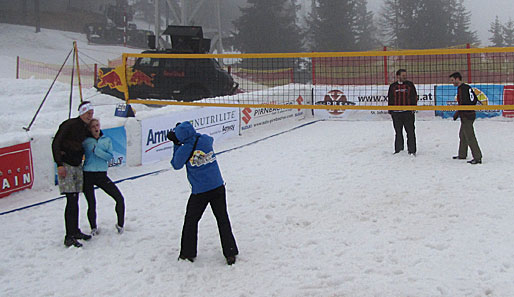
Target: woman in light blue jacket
[98, 151]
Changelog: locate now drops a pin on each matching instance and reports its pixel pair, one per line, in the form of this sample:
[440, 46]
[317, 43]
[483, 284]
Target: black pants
[195, 209]
[403, 120]
[101, 180]
[71, 214]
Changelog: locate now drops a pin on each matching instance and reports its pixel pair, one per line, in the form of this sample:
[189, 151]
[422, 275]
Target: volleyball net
[333, 81]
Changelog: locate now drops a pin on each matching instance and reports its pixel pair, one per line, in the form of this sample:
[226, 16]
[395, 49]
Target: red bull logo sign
[140, 78]
[110, 79]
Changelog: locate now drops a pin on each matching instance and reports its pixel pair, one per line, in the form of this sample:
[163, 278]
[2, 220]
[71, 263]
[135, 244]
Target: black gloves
[455, 115]
[172, 137]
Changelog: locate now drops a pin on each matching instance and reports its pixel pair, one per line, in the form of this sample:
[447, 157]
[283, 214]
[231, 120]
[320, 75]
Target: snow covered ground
[323, 210]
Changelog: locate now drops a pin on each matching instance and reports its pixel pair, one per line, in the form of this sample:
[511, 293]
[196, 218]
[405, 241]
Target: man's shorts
[72, 182]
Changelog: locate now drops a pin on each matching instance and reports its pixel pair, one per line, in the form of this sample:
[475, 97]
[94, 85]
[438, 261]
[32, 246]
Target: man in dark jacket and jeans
[68, 152]
[466, 96]
[196, 152]
[403, 92]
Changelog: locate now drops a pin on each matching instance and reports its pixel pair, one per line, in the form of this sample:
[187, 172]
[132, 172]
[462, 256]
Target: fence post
[95, 74]
[386, 77]
[314, 70]
[17, 67]
[470, 80]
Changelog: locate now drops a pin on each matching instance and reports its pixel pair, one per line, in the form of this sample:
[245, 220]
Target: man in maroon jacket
[403, 92]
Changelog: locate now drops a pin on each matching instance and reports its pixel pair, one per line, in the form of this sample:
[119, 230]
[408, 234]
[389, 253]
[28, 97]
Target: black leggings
[101, 180]
[71, 214]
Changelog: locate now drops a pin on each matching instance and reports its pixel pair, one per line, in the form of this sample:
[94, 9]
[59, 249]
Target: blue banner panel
[487, 95]
[119, 145]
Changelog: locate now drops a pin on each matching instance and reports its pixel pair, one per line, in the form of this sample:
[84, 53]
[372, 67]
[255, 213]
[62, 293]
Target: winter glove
[455, 115]
[172, 137]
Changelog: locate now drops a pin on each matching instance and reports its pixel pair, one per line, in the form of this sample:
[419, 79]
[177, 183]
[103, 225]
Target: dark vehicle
[185, 79]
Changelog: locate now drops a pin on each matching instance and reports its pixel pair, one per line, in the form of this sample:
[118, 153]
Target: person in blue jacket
[195, 151]
[98, 152]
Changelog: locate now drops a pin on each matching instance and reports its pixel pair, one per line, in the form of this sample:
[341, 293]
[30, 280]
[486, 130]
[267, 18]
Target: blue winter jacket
[202, 168]
[98, 153]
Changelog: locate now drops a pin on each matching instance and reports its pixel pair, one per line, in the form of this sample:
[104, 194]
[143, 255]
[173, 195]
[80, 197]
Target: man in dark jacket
[195, 151]
[68, 152]
[403, 92]
[466, 96]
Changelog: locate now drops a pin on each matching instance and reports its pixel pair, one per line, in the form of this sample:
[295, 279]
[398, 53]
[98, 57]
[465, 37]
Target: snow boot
[70, 241]
[190, 259]
[231, 260]
[120, 229]
[82, 236]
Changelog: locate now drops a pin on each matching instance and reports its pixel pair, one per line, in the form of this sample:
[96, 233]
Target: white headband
[85, 108]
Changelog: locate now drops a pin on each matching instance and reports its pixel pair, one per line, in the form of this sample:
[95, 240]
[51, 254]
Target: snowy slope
[323, 210]
[48, 46]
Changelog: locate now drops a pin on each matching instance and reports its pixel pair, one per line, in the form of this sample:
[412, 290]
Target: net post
[17, 67]
[313, 70]
[386, 78]
[469, 65]
[76, 52]
[95, 74]
[124, 63]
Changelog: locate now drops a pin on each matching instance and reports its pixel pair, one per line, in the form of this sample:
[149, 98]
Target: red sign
[16, 170]
[508, 99]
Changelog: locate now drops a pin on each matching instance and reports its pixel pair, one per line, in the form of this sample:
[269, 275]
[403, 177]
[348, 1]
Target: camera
[172, 136]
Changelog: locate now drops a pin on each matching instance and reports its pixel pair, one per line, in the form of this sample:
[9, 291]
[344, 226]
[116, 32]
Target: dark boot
[231, 260]
[70, 241]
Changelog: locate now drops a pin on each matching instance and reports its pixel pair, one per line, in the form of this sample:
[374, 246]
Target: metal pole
[220, 42]
[157, 24]
[470, 79]
[386, 76]
[72, 75]
[38, 20]
[48, 92]
[17, 67]
[183, 16]
[78, 69]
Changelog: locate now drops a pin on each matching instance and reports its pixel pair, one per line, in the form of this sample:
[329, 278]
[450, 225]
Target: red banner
[16, 170]
[508, 99]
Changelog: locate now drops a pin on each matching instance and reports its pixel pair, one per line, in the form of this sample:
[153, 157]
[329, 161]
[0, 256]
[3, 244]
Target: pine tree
[426, 23]
[460, 24]
[496, 29]
[432, 23]
[508, 33]
[400, 26]
[365, 30]
[267, 26]
[340, 25]
[330, 26]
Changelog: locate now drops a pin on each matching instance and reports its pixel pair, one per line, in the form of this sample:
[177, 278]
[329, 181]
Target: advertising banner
[487, 94]
[508, 99]
[16, 168]
[220, 123]
[364, 96]
[256, 118]
[118, 137]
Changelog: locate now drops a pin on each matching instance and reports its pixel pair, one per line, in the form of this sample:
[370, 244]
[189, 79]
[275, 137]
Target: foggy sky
[483, 13]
